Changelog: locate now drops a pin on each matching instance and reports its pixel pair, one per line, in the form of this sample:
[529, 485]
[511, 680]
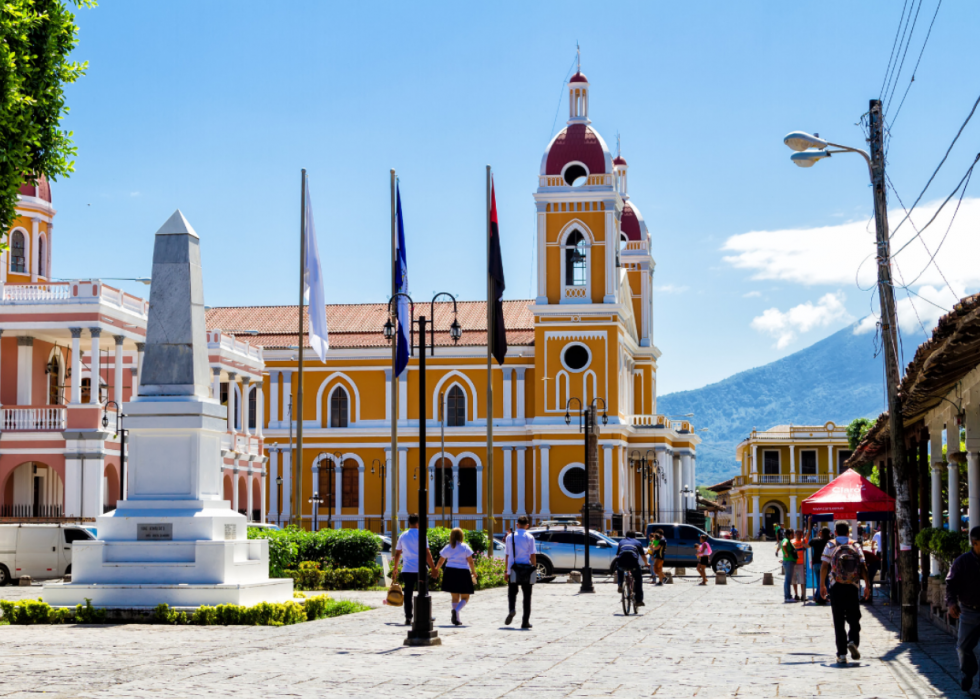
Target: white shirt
[876, 542]
[518, 547]
[408, 544]
[456, 557]
[828, 553]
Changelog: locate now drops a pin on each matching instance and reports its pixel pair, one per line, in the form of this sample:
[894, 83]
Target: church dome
[42, 191]
[579, 78]
[577, 143]
[631, 223]
[620, 161]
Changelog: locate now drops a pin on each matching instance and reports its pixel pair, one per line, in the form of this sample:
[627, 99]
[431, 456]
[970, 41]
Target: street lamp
[422, 632]
[316, 502]
[338, 462]
[587, 423]
[383, 472]
[123, 433]
[279, 500]
[811, 148]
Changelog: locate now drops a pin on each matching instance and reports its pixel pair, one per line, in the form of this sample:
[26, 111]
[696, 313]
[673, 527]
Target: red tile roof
[577, 142]
[354, 326]
[43, 189]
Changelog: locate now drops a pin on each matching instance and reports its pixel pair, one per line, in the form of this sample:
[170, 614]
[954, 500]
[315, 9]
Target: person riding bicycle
[629, 555]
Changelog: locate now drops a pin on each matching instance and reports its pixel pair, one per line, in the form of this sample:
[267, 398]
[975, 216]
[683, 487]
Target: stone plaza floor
[737, 640]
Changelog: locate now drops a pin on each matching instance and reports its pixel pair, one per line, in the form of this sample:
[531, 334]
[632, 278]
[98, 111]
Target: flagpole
[490, 304]
[298, 457]
[394, 465]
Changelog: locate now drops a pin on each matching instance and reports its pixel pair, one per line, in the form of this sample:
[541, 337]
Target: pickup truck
[683, 539]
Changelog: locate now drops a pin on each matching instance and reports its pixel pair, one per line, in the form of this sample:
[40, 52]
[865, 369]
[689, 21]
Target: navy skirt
[457, 580]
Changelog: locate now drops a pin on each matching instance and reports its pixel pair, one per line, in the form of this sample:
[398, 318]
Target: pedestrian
[843, 561]
[876, 540]
[734, 533]
[817, 546]
[788, 553]
[408, 548]
[963, 602]
[520, 564]
[778, 531]
[704, 558]
[658, 548]
[460, 576]
[799, 570]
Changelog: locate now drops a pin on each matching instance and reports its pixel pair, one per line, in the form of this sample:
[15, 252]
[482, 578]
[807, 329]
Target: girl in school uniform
[460, 573]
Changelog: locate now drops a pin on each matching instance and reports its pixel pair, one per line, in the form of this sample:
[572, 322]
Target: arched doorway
[773, 514]
[110, 488]
[242, 496]
[33, 489]
[256, 500]
[227, 489]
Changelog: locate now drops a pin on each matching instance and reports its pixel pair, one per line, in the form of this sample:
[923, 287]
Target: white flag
[313, 286]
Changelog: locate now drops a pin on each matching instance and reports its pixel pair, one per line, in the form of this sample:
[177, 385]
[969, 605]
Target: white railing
[809, 478]
[220, 340]
[773, 479]
[33, 419]
[637, 245]
[36, 292]
[648, 420]
[75, 291]
[559, 181]
[575, 292]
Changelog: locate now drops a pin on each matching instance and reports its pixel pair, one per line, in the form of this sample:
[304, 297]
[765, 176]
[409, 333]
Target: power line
[894, 65]
[916, 69]
[908, 43]
[881, 92]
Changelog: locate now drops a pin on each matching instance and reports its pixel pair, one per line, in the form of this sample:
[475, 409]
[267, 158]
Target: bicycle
[628, 596]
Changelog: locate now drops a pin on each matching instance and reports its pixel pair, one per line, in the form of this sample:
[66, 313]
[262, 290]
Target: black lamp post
[422, 632]
[587, 423]
[383, 472]
[279, 500]
[122, 442]
[645, 467]
[315, 501]
[337, 462]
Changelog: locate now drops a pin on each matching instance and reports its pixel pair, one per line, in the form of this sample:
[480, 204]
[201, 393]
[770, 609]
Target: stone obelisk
[174, 539]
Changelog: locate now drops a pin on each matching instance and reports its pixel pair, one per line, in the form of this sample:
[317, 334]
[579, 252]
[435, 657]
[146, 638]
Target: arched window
[576, 270]
[338, 408]
[54, 386]
[40, 257]
[456, 407]
[17, 261]
[324, 483]
[252, 407]
[444, 484]
[349, 484]
[467, 482]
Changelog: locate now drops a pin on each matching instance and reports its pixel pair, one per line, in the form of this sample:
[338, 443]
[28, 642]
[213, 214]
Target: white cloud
[800, 319]
[671, 289]
[915, 313]
[751, 294]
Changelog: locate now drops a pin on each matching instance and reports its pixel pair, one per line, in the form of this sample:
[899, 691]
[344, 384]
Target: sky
[215, 107]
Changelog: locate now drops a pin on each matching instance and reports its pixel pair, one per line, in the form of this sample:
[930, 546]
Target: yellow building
[588, 334]
[782, 467]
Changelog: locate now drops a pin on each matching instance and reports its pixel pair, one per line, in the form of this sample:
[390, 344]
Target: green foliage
[706, 494]
[490, 572]
[856, 431]
[205, 616]
[310, 577]
[88, 614]
[322, 607]
[36, 39]
[283, 550]
[163, 614]
[33, 611]
[339, 548]
[944, 545]
[438, 537]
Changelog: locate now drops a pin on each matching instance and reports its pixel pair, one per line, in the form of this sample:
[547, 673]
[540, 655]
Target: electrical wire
[894, 65]
[881, 92]
[916, 69]
[901, 65]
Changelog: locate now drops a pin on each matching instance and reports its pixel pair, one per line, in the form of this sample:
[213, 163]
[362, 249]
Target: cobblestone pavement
[690, 641]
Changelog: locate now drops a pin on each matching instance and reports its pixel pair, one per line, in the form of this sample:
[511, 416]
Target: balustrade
[33, 419]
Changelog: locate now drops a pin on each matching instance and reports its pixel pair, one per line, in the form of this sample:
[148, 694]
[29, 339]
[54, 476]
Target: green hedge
[943, 544]
[309, 576]
[336, 548]
[438, 537]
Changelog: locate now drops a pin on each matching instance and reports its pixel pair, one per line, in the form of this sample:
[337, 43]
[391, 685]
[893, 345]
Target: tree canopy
[36, 40]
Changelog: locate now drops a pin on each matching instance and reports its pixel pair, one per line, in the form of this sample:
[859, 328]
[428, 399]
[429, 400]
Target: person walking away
[817, 546]
[843, 561]
[629, 553]
[658, 549]
[520, 562]
[460, 575]
[734, 533]
[799, 570]
[788, 553]
[408, 548]
[704, 558]
[963, 602]
[778, 531]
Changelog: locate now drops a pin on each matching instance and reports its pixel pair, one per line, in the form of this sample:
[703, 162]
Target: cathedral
[586, 336]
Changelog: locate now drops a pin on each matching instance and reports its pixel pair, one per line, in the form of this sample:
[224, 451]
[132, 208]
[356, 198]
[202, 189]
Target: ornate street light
[123, 433]
[587, 423]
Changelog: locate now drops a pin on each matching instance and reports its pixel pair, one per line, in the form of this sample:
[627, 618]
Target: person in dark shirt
[629, 554]
[818, 545]
[963, 601]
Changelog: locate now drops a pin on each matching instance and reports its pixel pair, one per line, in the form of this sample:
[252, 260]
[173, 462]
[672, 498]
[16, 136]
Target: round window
[575, 175]
[573, 481]
[576, 357]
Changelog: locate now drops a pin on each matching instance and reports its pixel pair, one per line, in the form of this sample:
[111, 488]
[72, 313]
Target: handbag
[520, 573]
[396, 597]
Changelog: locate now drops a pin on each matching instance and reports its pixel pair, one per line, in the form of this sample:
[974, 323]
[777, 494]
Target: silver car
[562, 549]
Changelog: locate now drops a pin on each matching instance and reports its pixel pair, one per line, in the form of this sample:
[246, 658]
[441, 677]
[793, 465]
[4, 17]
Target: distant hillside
[837, 379]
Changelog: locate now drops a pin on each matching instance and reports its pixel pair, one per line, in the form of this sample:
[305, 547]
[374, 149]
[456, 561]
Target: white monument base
[133, 596]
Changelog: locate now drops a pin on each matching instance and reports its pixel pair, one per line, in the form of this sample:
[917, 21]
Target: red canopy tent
[849, 496]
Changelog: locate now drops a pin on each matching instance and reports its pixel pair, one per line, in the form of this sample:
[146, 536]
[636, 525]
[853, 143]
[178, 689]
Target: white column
[94, 467]
[678, 501]
[455, 491]
[542, 259]
[244, 406]
[259, 410]
[508, 378]
[25, 371]
[249, 497]
[338, 484]
[273, 398]
[403, 482]
[793, 512]
[230, 407]
[216, 382]
[273, 473]
[508, 472]
[93, 394]
[520, 395]
[755, 463]
[521, 478]
[973, 458]
[545, 508]
[756, 517]
[388, 478]
[139, 365]
[610, 243]
[388, 396]
[234, 488]
[479, 489]
[35, 237]
[360, 497]
[403, 398]
[265, 484]
[688, 480]
[287, 483]
[792, 466]
[117, 392]
[607, 482]
[287, 399]
[831, 467]
[953, 475]
[73, 487]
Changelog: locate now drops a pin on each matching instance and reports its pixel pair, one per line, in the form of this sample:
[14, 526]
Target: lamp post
[809, 150]
[337, 459]
[588, 424]
[383, 472]
[316, 502]
[645, 467]
[279, 500]
[122, 432]
[422, 633]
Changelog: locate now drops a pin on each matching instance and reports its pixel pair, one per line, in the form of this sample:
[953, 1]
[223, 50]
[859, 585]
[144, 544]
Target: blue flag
[401, 284]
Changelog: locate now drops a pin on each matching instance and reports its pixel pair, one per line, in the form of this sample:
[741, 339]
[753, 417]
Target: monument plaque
[231, 532]
[163, 531]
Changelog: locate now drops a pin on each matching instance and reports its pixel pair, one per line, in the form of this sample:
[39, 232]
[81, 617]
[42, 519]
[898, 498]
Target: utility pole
[889, 336]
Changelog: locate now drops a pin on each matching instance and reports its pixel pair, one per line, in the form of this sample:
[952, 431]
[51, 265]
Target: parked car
[683, 539]
[42, 551]
[262, 525]
[561, 549]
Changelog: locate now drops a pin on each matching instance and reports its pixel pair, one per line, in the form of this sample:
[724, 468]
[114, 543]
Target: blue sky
[214, 108]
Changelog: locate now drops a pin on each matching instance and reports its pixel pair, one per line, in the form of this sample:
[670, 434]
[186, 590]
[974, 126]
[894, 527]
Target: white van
[39, 550]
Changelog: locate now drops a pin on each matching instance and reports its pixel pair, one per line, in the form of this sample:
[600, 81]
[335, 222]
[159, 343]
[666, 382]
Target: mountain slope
[837, 379]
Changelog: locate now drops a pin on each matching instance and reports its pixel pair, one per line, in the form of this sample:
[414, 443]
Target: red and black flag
[495, 271]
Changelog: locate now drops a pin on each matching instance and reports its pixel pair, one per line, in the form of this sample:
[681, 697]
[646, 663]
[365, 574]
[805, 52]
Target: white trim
[572, 163]
[356, 413]
[466, 411]
[575, 224]
[27, 250]
[561, 480]
[329, 424]
[433, 413]
[561, 357]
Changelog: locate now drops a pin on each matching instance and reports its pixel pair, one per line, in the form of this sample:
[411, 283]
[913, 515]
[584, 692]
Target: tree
[856, 431]
[36, 39]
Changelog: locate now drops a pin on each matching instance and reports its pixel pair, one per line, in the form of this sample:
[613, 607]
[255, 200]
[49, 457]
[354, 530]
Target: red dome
[42, 191]
[576, 142]
[579, 78]
[620, 160]
[629, 223]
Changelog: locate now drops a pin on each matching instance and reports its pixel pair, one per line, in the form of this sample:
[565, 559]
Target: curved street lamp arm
[568, 408]
[432, 318]
[848, 149]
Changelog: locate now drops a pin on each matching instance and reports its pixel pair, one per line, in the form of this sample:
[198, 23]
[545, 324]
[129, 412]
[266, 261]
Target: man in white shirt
[845, 576]
[519, 549]
[876, 541]
[408, 547]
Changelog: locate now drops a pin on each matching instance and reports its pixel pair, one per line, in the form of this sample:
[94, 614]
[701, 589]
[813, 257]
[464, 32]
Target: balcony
[33, 419]
[781, 479]
[78, 291]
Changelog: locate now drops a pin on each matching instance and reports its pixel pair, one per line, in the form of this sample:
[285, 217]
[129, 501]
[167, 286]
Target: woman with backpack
[460, 572]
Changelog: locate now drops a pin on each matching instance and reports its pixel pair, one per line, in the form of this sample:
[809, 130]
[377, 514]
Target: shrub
[283, 549]
[205, 616]
[322, 607]
[163, 614]
[310, 577]
[88, 614]
[33, 611]
[944, 545]
[490, 572]
[341, 548]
